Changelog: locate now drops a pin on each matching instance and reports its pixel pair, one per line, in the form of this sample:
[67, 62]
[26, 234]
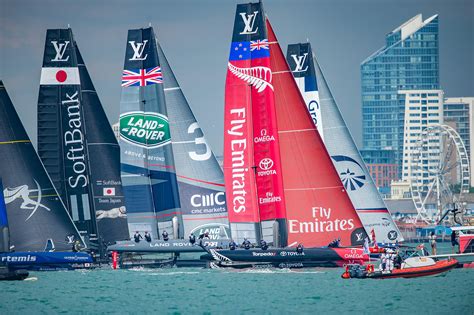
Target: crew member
[433, 243]
[165, 236]
[147, 237]
[137, 237]
[246, 244]
[263, 245]
[299, 248]
[192, 239]
[232, 245]
[454, 240]
[76, 247]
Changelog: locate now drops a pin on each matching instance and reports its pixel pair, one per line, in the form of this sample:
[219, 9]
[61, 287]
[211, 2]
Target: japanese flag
[59, 76]
[110, 191]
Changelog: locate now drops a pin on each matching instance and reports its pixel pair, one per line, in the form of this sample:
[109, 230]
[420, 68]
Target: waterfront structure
[408, 61]
[423, 108]
[400, 190]
[458, 113]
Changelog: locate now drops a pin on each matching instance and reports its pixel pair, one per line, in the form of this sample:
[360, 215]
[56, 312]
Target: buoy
[114, 259]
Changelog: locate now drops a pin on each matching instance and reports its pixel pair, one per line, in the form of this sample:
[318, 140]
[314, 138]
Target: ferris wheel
[439, 174]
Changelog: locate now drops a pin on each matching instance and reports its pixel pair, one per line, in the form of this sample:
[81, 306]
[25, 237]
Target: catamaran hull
[171, 246]
[288, 257]
[46, 261]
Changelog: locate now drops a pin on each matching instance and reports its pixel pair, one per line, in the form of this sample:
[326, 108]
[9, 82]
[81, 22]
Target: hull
[439, 267]
[172, 246]
[9, 275]
[288, 257]
[47, 261]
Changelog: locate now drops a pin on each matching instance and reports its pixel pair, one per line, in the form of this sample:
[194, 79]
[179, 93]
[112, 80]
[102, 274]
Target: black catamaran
[38, 220]
[77, 144]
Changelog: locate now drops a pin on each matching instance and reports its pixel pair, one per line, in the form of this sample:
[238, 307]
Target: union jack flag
[258, 44]
[142, 77]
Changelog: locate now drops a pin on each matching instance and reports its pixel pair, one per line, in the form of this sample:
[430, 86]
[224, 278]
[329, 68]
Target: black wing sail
[35, 211]
[104, 163]
[61, 130]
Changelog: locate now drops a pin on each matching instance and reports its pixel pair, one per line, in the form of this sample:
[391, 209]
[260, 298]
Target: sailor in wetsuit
[147, 237]
[202, 236]
[246, 244]
[192, 239]
[263, 245]
[165, 236]
[76, 247]
[137, 237]
[232, 245]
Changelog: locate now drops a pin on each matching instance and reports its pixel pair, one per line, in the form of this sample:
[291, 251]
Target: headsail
[200, 178]
[148, 172]
[61, 130]
[35, 211]
[252, 165]
[318, 207]
[346, 158]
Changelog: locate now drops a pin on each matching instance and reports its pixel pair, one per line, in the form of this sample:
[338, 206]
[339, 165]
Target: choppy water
[199, 291]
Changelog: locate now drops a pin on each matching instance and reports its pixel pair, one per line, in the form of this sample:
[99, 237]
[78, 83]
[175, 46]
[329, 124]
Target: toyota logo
[266, 164]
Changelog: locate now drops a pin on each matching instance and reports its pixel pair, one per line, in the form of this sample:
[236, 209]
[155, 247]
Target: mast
[346, 158]
[147, 162]
[35, 211]
[317, 205]
[61, 131]
[200, 178]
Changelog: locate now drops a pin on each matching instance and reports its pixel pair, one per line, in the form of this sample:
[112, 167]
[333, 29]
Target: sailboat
[171, 178]
[77, 145]
[293, 181]
[345, 156]
[41, 232]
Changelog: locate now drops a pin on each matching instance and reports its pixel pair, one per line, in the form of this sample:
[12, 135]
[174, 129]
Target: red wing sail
[317, 205]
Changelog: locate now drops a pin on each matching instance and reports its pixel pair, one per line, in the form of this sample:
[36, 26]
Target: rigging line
[172, 88]
[297, 130]
[15, 141]
[313, 188]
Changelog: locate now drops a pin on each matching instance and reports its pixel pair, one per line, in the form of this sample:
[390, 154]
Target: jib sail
[147, 164]
[200, 178]
[35, 211]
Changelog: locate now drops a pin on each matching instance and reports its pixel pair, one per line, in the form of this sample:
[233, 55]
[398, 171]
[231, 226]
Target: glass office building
[408, 61]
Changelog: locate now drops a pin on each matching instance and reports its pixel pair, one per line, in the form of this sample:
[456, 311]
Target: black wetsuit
[148, 237]
[232, 245]
[263, 245]
[137, 237]
[192, 239]
[165, 236]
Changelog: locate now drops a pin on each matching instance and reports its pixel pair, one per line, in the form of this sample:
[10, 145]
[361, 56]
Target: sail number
[199, 141]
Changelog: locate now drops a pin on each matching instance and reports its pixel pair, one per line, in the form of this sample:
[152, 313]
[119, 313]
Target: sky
[196, 36]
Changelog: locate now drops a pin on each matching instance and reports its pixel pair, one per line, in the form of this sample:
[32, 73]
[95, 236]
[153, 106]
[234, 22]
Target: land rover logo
[145, 129]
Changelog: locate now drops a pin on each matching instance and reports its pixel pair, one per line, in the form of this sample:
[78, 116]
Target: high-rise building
[382, 168]
[423, 108]
[408, 61]
[459, 113]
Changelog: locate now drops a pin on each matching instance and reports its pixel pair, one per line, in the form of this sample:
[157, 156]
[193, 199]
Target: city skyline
[197, 47]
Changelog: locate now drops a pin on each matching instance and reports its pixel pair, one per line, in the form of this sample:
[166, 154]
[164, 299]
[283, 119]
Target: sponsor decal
[114, 213]
[352, 176]
[259, 77]
[392, 235]
[60, 49]
[108, 191]
[354, 254]
[291, 254]
[322, 222]
[313, 109]
[266, 165]
[249, 23]
[259, 44]
[215, 230]
[22, 258]
[208, 200]
[181, 244]
[138, 49]
[264, 137]
[145, 129]
[385, 222]
[265, 254]
[23, 192]
[291, 265]
[269, 198]
[201, 141]
[142, 77]
[299, 63]
[238, 149]
[60, 76]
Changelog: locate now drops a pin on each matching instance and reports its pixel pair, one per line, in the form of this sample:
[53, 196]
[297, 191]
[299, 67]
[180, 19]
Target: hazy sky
[196, 35]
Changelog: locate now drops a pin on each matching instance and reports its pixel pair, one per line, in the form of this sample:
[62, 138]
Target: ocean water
[204, 291]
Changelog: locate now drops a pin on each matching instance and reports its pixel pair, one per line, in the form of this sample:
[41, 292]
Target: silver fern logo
[258, 77]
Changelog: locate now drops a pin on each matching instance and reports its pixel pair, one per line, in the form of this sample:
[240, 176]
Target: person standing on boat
[433, 243]
[137, 237]
[232, 245]
[246, 244]
[454, 240]
[263, 245]
[192, 239]
[147, 237]
[165, 236]
[383, 261]
[202, 236]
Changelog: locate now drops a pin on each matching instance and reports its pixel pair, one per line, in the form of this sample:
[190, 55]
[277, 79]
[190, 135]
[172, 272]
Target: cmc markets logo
[264, 137]
[145, 129]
